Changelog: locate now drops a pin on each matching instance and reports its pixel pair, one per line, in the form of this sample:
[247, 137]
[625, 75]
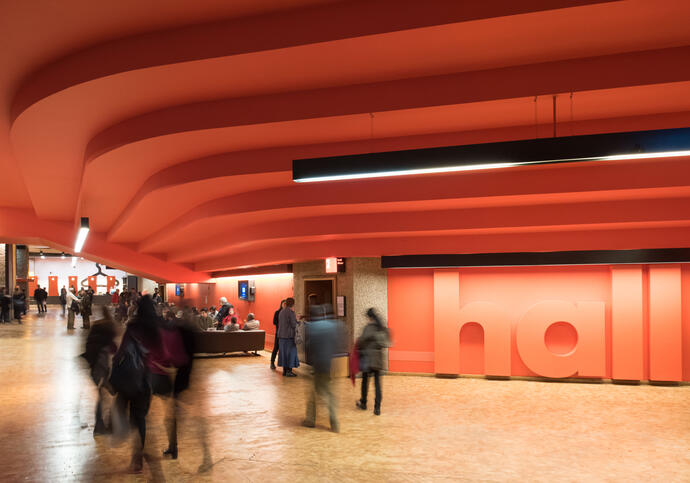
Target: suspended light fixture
[63, 255]
[42, 255]
[594, 147]
[82, 234]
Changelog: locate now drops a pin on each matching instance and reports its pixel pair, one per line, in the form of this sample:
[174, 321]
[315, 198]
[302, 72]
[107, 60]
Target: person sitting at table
[251, 323]
[233, 326]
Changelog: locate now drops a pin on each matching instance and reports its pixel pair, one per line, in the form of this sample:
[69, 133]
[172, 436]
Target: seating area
[220, 342]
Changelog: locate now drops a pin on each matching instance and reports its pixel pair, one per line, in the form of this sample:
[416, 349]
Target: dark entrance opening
[317, 292]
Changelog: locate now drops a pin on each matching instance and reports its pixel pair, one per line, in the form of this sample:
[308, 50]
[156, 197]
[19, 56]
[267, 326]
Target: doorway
[318, 292]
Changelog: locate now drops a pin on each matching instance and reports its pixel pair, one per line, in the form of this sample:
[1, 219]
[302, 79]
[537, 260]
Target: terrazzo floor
[246, 420]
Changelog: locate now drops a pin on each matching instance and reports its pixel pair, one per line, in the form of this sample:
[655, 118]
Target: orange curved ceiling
[173, 127]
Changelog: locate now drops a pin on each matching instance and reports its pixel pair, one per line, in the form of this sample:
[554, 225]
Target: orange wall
[435, 312]
[270, 290]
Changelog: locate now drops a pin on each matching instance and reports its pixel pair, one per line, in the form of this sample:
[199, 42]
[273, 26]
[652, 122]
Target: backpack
[75, 307]
[129, 374]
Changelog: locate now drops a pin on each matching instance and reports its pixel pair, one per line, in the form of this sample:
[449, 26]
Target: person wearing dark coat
[275, 340]
[44, 298]
[142, 339]
[222, 313]
[63, 299]
[38, 298]
[5, 302]
[18, 304]
[86, 303]
[287, 329]
[100, 347]
[324, 338]
[374, 339]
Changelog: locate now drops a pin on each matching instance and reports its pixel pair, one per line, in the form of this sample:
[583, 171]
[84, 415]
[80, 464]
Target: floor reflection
[240, 421]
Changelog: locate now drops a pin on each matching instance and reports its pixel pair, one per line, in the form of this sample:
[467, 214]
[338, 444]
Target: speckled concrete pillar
[364, 284]
[3, 266]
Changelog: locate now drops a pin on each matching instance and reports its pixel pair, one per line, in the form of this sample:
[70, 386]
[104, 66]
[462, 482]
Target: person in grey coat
[374, 339]
[324, 340]
[287, 327]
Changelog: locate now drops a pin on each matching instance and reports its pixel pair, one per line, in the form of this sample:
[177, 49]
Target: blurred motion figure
[324, 337]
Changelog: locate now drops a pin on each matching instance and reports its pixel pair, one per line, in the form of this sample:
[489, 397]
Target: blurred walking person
[171, 370]
[100, 347]
[287, 329]
[323, 340]
[141, 346]
[275, 340]
[375, 337]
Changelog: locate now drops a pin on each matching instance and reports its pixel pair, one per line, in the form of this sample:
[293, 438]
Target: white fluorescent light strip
[408, 172]
[81, 238]
[478, 167]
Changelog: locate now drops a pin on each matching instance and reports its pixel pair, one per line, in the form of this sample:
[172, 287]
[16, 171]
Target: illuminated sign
[335, 265]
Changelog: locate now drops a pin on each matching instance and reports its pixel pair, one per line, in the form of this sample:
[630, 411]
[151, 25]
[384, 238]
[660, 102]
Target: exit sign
[335, 265]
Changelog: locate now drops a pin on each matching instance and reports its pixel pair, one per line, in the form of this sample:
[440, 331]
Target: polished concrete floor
[248, 420]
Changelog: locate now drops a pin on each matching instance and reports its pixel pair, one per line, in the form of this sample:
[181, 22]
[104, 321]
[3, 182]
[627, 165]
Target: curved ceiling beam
[211, 167]
[23, 226]
[612, 71]
[260, 33]
[498, 187]
[189, 178]
[587, 239]
[280, 159]
[425, 223]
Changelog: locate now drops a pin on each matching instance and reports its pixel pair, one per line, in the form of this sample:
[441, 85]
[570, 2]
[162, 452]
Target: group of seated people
[226, 319]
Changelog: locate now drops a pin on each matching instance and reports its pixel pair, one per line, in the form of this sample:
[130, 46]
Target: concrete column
[364, 284]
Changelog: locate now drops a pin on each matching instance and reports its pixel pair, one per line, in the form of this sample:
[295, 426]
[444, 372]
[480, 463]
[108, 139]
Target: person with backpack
[375, 337]
[131, 376]
[73, 304]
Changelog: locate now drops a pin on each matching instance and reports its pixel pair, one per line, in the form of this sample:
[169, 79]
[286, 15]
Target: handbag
[74, 307]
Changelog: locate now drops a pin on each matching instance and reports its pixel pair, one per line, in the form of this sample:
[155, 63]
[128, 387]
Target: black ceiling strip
[583, 257]
[543, 150]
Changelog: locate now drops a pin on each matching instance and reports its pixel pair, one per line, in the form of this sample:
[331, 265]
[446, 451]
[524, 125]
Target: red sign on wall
[53, 286]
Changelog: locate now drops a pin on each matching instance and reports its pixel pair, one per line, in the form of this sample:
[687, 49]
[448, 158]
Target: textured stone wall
[22, 270]
[370, 289]
[364, 284]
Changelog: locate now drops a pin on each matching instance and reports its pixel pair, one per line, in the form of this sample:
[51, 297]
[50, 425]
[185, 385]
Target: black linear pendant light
[593, 147]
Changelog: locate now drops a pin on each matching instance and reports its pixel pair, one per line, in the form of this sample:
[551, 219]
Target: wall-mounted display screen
[243, 289]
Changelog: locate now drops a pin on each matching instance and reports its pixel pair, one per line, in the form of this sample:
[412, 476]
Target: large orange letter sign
[449, 320]
[589, 356]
